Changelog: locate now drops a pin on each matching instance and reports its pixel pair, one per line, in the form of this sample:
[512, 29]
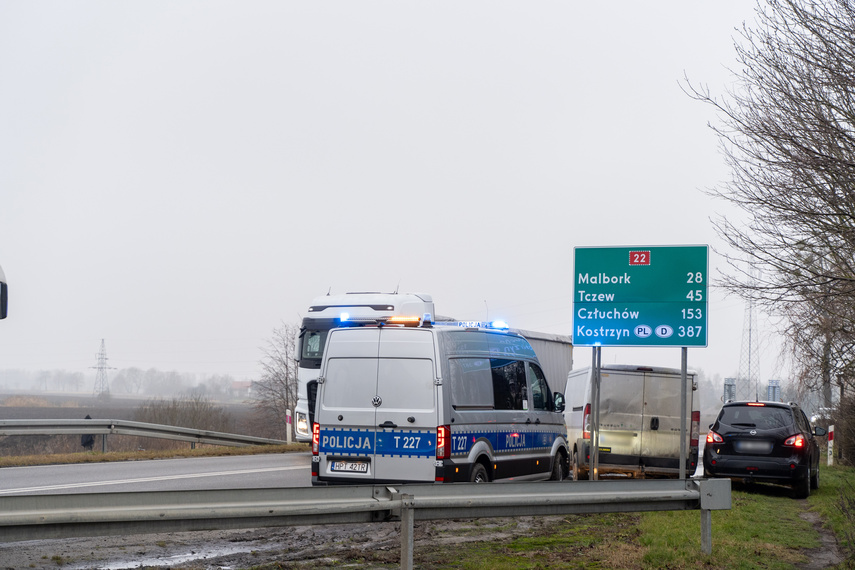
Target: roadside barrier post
[407, 530]
[715, 496]
[831, 445]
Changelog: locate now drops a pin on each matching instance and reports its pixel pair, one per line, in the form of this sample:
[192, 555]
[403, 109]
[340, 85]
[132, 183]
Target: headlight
[302, 424]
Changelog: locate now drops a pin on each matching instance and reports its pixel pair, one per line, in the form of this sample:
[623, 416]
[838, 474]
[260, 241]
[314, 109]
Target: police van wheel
[558, 471]
[479, 474]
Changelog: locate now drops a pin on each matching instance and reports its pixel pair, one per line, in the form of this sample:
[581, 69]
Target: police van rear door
[406, 417]
[344, 409]
[377, 412]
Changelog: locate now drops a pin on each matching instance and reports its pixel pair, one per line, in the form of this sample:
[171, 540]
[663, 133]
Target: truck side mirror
[559, 402]
[4, 297]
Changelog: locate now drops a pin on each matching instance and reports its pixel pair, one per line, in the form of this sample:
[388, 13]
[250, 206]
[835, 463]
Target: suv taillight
[316, 437]
[713, 437]
[797, 440]
[586, 422]
[696, 429]
[443, 443]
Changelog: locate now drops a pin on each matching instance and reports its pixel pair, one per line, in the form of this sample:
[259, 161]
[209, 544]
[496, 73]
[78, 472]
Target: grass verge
[764, 529]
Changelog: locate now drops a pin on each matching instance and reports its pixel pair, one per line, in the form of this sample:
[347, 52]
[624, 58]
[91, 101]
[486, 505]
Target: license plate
[353, 466]
[752, 446]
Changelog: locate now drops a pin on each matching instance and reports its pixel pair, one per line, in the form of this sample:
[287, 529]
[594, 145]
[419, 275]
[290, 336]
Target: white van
[434, 404]
[639, 421]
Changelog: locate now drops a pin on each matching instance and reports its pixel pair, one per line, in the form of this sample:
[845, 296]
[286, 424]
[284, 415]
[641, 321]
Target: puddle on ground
[164, 560]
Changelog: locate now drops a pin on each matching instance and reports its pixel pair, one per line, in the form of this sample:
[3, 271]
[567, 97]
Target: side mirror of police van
[559, 402]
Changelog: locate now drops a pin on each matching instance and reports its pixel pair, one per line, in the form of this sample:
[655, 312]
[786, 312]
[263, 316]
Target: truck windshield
[312, 344]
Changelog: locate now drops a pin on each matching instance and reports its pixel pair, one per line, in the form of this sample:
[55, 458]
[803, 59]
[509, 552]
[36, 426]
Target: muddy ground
[319, 546]
[316, 547]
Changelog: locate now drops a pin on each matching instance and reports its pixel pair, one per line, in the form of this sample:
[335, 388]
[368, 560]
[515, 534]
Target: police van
[426, 403]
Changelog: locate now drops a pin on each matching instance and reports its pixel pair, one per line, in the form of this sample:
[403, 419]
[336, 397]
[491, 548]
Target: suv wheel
[801, 488]
[814, 479]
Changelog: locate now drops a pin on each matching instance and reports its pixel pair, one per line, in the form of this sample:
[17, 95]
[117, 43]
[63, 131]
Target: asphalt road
[234, 472]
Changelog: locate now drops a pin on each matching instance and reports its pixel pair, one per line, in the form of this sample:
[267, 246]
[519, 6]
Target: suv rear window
[766, 417]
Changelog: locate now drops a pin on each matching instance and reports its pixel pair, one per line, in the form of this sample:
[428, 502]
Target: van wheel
[577, 470]
[558, 471]
[479, 474]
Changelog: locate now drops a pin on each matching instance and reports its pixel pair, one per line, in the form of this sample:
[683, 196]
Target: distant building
[729, 389]
[773, 391]
[241, 388]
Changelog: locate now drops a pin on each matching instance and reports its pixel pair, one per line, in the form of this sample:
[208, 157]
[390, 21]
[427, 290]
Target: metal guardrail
[63, 516]
[125, 427]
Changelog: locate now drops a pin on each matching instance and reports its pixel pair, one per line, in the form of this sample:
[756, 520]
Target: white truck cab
[410, 404]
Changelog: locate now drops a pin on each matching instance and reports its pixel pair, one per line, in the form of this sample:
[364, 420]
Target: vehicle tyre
[577, 470]
[558, 471]
[814, 479]
[801, 489]
[479, 474]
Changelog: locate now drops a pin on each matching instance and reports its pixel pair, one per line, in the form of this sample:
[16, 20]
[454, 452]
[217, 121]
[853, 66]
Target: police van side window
[471, 383]
[541, 395]
[488, 384]
[509, 385]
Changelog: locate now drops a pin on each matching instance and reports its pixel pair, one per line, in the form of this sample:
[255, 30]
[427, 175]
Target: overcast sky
[180, 178]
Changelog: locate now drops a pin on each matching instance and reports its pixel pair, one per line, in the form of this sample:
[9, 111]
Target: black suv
[767, 442]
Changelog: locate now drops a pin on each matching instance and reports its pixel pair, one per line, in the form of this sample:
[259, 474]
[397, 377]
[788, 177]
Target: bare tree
[788, 135]
[276, 392]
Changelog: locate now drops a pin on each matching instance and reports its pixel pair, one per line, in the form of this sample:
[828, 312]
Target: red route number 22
[639, 257]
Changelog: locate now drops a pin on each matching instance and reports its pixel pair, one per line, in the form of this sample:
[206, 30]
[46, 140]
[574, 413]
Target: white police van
[425, 403]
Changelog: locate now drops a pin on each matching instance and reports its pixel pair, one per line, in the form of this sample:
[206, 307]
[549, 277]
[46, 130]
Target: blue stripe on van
[363, 442]
[346, 441]
[503, 441]
[408, 443]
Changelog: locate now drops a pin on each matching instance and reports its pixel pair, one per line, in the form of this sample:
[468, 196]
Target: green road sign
[640, 296]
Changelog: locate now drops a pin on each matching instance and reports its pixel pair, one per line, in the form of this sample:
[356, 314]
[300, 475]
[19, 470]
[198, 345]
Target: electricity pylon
[102, 387]
[748, 381]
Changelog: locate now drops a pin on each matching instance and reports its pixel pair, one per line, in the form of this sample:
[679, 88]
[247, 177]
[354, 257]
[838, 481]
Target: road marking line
[147, 479]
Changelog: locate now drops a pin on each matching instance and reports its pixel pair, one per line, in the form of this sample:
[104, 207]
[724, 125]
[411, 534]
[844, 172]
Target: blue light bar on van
[344, 317]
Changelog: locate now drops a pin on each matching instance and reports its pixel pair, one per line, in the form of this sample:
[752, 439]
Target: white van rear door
[661, 430]
[621, 402]
[406, 414]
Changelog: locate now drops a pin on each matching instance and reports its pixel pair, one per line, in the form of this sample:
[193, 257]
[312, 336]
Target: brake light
[797, 440]
[316, 437]
[586, 422]
[443, 445]
[756, 404]
[713, 437]
[696, 429]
